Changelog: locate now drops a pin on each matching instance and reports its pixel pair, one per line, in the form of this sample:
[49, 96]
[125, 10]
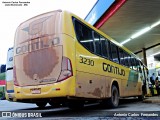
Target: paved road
[127, 108]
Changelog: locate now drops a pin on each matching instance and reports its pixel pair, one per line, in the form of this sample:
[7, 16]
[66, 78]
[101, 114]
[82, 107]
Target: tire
[76, 105]
[41, 104]
[114, 100]
[141, 97]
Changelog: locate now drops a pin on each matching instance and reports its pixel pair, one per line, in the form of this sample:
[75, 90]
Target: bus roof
[59, 10]
[100, 32]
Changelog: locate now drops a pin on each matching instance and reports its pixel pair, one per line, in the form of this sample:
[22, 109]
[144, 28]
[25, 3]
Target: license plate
[10, 96]
[36, 90]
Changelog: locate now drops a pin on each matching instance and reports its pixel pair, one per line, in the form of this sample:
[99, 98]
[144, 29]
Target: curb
[152, 100]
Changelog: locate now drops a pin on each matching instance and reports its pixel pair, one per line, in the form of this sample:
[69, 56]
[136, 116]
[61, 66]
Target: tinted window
[101, 46]
[104, 47]
[126, 59]
[134, 64]
[139, 66]
[84, 36]
[97, 43]
[114, 53]
[130, 61]
[121, 56]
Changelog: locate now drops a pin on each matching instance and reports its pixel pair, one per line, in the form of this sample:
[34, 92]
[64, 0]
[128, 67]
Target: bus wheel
[54, 104]
[76, 104]
[114, 100]
[41, 104]
[141, 97]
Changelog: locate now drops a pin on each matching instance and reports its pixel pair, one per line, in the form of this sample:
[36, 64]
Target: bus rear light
[66, 70]
[66, 73]
[14, 77]
[15, 82]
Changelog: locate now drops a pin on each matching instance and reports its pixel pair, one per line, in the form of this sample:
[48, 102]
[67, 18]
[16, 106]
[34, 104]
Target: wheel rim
[115, 97]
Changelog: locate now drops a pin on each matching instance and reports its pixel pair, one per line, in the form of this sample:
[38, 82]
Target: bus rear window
[37, 27]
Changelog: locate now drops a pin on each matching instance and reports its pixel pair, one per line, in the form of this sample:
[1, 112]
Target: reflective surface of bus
[59, 58]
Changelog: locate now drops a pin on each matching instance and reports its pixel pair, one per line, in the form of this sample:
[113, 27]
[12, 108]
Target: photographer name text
[15, 3]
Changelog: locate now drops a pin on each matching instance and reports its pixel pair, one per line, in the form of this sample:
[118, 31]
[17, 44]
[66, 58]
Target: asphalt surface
[154, 99]
[129, 108]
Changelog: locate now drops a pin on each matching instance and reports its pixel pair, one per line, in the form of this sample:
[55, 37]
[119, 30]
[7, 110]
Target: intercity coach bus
[60, 58]
[9, 76]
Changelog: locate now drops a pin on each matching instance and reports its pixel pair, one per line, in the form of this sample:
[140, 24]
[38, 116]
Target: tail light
[66, 70]
[15, 77]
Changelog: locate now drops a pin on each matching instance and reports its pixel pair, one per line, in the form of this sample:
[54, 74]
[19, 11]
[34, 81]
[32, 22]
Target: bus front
[9, 76]
[40, 65]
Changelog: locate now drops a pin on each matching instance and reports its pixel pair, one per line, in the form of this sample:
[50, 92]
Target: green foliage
[2, 91]
[2, 76]
[2, 88]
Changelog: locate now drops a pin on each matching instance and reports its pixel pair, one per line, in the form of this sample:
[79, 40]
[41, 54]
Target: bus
[60, 58]
[9, 76]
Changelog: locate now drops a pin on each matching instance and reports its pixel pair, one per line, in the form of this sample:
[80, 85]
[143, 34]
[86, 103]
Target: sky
[12, 16]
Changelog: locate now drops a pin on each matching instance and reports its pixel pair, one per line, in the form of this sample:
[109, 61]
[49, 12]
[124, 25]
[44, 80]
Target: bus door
[144, 79]
[133, 76]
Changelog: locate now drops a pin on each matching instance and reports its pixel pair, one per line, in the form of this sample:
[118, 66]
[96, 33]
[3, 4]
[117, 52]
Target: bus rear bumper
[60, 89]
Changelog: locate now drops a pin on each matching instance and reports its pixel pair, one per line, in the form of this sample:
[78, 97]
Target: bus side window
[139, 67]
[126, 59]
[84, 36]
[136, 64]
[104, 47]
[133, 64]
[97, 43]
[114, 53]
[129, 61]
[121, 57]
